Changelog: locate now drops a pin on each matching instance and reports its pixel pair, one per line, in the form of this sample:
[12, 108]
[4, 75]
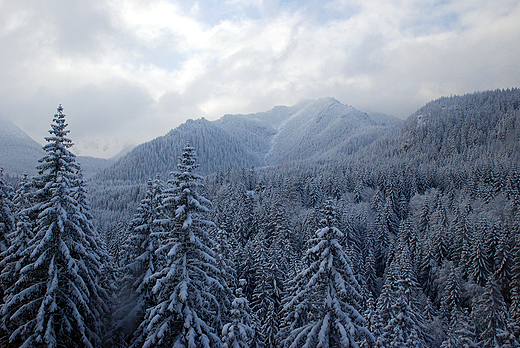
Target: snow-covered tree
[238, 333]
[136, 289]
[323, 308]
[514, 309]
[452, 295]
[7, 227]
[374, 323]
[191, 296]
[7, 224]
[479, 267]
[490, 315]
[267, 295]
[56, 299]
[11, 259]
[405, 325]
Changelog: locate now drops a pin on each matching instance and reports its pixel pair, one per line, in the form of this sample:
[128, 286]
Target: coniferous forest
[406, 236]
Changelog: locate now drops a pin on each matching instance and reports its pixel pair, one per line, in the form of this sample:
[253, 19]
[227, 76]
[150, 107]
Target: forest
[409, 240]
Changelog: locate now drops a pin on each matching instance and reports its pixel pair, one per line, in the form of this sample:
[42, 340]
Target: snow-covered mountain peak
[308, 130]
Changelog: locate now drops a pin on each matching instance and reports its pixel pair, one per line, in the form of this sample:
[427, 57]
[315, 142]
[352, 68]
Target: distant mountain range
[311, 130]
[19, 153]
[474, 127]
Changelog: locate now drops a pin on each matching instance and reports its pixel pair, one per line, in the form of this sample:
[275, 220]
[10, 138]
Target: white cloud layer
[127, 71]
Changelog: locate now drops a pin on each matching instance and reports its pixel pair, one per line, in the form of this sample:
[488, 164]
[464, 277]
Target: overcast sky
[127, 71]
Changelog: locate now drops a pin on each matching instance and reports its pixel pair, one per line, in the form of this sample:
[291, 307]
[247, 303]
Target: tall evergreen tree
[514, 309]
[238, 333]
[136, 289]
[490, 315]
[323, 308]
[7, 266]
[405, 326]
[267, 295]
[451, 299]
[57, 299]
[461, 334]
[479, 267]
[191, 296]
[7, 224]
[10, 259]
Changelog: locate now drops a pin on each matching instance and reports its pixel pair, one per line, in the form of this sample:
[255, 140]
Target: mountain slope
[216, 149]
[325, 129]
[309, 130]
[19, 153]
[477, 127]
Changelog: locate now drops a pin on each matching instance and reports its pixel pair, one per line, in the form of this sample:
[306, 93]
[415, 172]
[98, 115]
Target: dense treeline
[412, 241]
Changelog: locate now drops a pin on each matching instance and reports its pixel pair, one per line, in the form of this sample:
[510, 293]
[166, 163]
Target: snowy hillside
[309, 130]
[19, 153]
[324, 129]
[474, 129]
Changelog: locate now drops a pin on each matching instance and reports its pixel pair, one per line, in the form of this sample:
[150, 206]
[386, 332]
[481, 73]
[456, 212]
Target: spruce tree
[514, 309]
[238, 333]
[490, 315]
[56, 299]
[323, 309]
[405, 326]
[451, 298]
[191, 298]
[7, 266]
[11, 259]
[267, 295]
[7, 224]
[136, 289]
[479, 267]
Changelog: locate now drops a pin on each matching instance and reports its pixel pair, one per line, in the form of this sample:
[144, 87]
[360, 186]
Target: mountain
[19, 153]
[308, 131]
[90, 166]
[473, 129]
[325, 129]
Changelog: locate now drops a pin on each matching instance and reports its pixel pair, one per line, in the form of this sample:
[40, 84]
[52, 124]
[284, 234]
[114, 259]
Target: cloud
[127, 71]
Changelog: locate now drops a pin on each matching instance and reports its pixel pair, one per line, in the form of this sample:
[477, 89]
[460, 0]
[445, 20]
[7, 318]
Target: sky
[127, 71]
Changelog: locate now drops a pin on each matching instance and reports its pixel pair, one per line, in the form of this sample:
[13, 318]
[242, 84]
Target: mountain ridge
[19, 153]
[282, 134]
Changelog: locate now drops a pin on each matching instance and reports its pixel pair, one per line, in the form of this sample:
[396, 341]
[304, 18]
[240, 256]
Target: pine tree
[282, 236]
[11, 259]
[405, 326]
[136, 289]
[7, 224]
[323, 309]
[502, 264]
[57, 300]
[387, 297]
[267, 297]
[490, 315]
[460, 331]
[7, 260]
[479, 267]
[238, 333]
[191, 296]
[510, 336]
[451, 297]
[374, 323]
[514, 309]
